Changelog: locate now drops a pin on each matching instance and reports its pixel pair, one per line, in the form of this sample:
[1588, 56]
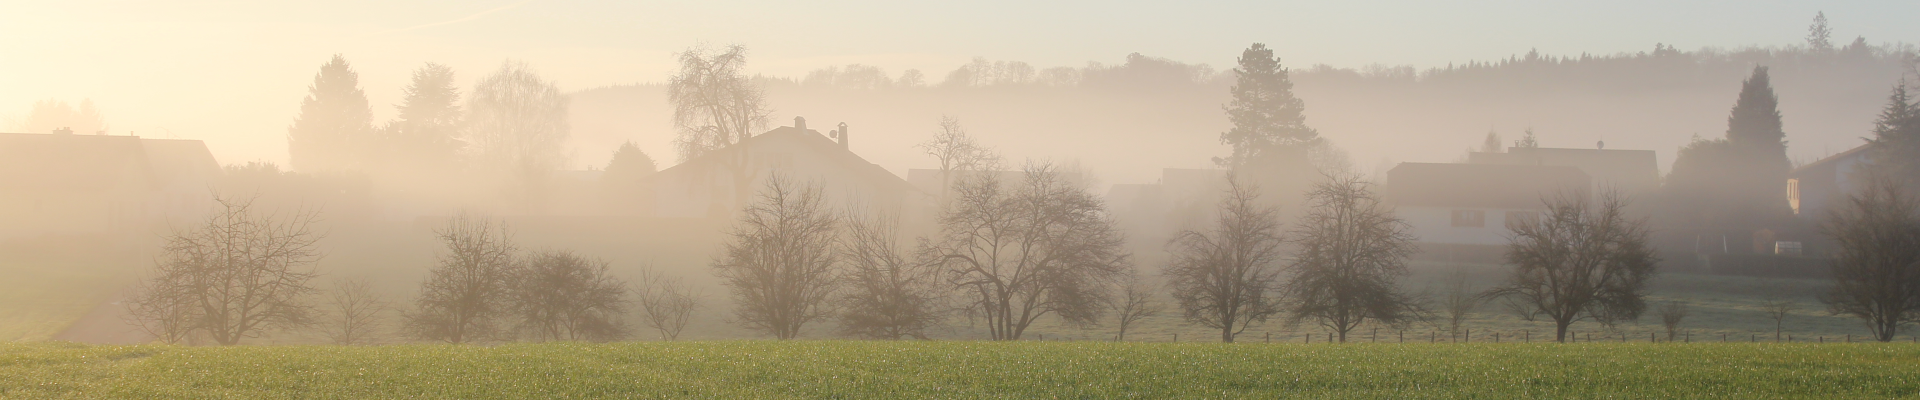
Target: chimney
[843, 135]
[63, 131]
[800, 122]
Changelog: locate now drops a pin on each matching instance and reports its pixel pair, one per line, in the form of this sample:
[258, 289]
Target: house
[1633, 172]
[1461, 212]
[112, 187]
[705, 187]
[1150, 213]
[1817, 187]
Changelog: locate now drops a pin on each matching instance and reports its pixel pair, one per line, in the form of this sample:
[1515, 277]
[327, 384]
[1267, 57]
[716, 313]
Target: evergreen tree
[1896, 139]
[1268, 121]
[1492, 144]
[1754, 131]
[335, 122]
[426, 131]
[1739, 182]
[629, 165]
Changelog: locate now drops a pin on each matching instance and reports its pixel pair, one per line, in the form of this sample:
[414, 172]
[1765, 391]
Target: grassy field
[843, 369]
[50, 284]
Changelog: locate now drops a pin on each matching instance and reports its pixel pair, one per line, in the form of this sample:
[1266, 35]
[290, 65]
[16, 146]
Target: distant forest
[1126, 121]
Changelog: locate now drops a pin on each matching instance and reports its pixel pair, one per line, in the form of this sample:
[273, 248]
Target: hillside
[1127, 121]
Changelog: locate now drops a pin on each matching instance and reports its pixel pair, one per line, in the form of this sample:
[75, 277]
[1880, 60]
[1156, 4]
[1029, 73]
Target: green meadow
[965, 369]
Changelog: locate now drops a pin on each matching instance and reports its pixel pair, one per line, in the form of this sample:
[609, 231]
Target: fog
[92, 212]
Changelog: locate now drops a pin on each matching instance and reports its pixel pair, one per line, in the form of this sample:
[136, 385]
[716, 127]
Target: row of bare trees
[245, 273]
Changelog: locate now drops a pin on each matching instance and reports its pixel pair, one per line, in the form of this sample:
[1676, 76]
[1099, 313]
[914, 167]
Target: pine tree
[335, 122]
[1896, 139]
[1753, 129]
[1492, 144]
[427, 128]
[1268, 121]
[629, 165]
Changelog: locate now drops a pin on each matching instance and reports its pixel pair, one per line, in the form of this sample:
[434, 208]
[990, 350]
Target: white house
[1461, 211]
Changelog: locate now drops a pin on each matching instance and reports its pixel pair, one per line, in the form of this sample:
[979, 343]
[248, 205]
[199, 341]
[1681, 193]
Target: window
[1515, 218]
[1469, 218]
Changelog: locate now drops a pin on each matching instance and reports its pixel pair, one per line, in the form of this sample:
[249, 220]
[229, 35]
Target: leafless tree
[1671, 313]
[1580, 260]
[236, 276]
[1224, 277]
[1876, 266]
[715, 106]
[1135, 303]
[779, 263]
[516, 125]
[1024, 250]
[1351, 253]
[1778, 308]
[957, 152]
[465, 297]
[888, 294]
[667, 303]
[560, 295]
[1460, 302]
[354, 312]
[517, 120]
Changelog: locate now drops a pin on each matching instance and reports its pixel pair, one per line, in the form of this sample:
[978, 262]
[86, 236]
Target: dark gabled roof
[812, 141]
[32, 161]
[1481, 185]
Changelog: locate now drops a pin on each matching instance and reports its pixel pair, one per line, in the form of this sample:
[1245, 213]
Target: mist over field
[1473, 187]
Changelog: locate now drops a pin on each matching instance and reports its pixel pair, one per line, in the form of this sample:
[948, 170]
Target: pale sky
[233, 72]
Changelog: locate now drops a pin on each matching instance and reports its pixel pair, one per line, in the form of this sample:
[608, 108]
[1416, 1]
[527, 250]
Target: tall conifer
[1268, 121]
[335, 124]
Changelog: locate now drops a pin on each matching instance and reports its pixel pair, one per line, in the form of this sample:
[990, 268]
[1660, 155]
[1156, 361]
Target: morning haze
[644, 194]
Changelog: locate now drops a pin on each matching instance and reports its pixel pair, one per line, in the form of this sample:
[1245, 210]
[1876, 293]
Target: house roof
[1859, 151]
[1624, 169]
[1481, 185]
[809, 140]
[30, 161]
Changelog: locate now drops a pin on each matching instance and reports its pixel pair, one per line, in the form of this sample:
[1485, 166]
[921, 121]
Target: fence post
[1496, 337]
[1651, 338]
[1469, 338]
[1268, 339]
[1176, 338]
[1309, 338]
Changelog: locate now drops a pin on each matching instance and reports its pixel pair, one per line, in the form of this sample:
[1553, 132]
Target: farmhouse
[1817, 187]
[708, 186]
[108, 187]
[1460, 212]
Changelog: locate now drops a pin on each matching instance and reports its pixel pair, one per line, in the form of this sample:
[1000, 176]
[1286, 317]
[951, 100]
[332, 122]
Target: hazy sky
[233, 72]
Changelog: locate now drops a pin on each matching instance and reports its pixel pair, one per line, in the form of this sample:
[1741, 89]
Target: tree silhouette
[1268, 121]
[780, 260]
[1580, 260]
[1351, 250]
[1224, 277]
[1876, 268]
[427, 131]
[716, 106]
[1896, 139]
[335, 125]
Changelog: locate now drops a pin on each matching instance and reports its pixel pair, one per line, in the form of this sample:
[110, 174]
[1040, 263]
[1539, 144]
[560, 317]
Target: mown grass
[844, 369]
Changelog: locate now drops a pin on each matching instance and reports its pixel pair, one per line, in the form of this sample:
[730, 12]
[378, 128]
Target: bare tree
[1135, 303]
[1024, 250]
[1351, 253]
[956, 151]
[516, 125]
[1671, 313]
[715, 106]
[1778, 308]
[562, 296]
[780, 261]
[888, 295]
[465, 297]
[1460, 302]
[1223, 278]
[1876, 267]
[355, 311]
[236, 276]
[667, 303]
[1581, 260]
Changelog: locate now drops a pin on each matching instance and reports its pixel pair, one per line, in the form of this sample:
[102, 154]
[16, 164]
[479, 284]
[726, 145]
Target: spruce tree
[335, 123]
[1896, 139]
[427, 128]
[1754, 130]
[1268, 121]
